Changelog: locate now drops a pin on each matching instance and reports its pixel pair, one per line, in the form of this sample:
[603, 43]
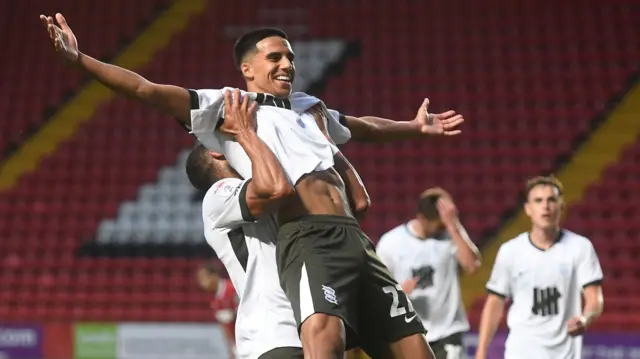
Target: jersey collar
[558, 239]
[266, 99]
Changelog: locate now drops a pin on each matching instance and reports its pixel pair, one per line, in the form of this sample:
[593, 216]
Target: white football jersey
[437, 298]
[545, 287]
[247, 249]
[283, 125]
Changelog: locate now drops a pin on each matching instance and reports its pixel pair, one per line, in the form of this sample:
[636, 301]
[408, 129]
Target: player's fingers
[62, 21]
[43, 20]
[453, 121]
[54, 31]
[227, 101]
[253, 107]
[425, 105]
[446, 114]
[236, 99]
[245, 103]
[452, 133]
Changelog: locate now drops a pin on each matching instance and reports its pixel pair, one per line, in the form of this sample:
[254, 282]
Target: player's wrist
[587, 318]
[452, 225]
[246, 136]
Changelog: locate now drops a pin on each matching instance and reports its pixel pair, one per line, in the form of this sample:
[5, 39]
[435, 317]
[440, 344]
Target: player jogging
[544, 272]
[328, 300]
[425, 255]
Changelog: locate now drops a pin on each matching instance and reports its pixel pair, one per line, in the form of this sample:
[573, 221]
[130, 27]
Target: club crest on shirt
[225, 188]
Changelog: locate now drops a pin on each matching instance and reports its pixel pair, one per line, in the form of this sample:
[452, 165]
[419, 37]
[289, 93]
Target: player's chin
[283, 90]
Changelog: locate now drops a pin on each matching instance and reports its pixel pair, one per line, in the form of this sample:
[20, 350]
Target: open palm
[445, 123]
[62, 37]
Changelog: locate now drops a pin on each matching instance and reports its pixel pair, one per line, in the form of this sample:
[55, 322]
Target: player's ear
[216, 155]
[247, 70]
[527, 209]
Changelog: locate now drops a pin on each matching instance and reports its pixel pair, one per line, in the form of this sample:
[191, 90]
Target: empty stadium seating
[531, 81]
[34, 81]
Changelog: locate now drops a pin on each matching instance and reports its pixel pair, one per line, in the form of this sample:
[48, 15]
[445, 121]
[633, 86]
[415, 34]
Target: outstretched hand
[445, 123]
[62, 37]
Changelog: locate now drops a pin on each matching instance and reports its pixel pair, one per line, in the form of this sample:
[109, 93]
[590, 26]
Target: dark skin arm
[171, 100]
[269, 186]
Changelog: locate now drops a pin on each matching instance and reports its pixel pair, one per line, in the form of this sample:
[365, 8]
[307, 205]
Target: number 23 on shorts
[397, 309]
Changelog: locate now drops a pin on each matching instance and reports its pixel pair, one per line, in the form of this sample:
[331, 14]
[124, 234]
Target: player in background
[544, 272]
[265, 60]
[225, 301]
[425, 255]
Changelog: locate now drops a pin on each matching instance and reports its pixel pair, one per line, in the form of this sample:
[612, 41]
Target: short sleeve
[384, 251]
[207, 110]
[589, 271]
[498, 283]
[225, 204]
[337, 127]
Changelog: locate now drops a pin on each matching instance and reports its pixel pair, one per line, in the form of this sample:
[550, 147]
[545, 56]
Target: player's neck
[417, 229]
[544, 238]
[257, 89]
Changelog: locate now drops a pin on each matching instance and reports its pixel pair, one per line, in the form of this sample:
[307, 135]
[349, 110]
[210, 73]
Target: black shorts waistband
[327, 219]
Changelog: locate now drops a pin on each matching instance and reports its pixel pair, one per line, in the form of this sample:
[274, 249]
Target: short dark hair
[248, 41]
[543, 181]
[200, 171]
[428, 201]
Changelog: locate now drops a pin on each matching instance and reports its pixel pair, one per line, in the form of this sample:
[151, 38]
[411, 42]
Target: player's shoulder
[575, 240]
[515, 243]
[393, 236]
[208, 97]
[301, 96]
[301, 102]
[574, 237]
[217, 194]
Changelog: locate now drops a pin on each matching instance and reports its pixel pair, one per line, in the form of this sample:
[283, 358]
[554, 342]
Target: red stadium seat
[529, 93]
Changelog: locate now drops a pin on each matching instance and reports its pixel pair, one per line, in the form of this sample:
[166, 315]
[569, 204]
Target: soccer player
[225, 302]
[425, 255]
[544, 272]
[317, 224]
[266, 325]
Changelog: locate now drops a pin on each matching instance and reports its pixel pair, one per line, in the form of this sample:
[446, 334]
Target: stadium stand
[531, 80]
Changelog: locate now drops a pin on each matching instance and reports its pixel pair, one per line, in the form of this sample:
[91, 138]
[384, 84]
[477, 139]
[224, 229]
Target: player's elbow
[362, 205]
[471, 267]
[275, 191]
[145, 91]
[282, 190]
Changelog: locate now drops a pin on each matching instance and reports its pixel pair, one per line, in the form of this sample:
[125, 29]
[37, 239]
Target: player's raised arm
[172, 100]
[377, 129]
[467, 253]
[269, 185]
